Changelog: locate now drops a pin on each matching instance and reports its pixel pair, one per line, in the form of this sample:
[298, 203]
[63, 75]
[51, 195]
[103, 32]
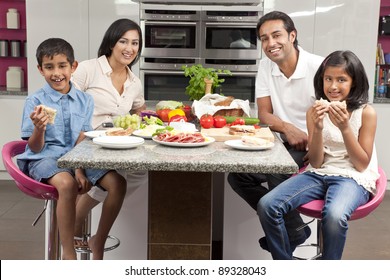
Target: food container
[13, 19]
[15, 78]
[15, 48]
[3, 48]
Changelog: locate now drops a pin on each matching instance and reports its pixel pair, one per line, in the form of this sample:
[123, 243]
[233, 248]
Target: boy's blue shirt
[74, 115]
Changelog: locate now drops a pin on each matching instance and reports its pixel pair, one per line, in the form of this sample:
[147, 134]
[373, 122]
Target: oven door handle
[170, 23]
[229, 24]
[238, 73]
[147, 71]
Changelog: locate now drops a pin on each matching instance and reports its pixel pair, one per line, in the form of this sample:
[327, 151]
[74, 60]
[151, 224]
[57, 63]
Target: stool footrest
[115, 240]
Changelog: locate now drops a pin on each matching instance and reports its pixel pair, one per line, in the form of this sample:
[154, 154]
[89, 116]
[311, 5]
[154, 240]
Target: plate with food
[250, 143]
[183, 139]
[118, 142]
[95, 133]
[148, 131]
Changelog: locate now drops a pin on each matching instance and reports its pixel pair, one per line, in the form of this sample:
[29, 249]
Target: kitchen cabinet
[18, 36]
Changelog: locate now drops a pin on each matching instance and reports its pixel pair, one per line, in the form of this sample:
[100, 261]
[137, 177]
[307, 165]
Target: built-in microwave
[230, 33]
[169, 31]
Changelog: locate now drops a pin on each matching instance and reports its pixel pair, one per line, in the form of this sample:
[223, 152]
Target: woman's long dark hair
[358, 94]
[114, 33]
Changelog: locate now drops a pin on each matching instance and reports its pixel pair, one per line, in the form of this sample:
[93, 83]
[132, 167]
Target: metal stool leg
[86, 233]
[52, 240]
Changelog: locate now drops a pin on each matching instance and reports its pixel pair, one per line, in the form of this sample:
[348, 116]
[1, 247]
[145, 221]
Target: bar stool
[47, 192]
[313, 209]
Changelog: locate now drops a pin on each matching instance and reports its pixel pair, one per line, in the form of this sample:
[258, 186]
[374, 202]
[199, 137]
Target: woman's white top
[94, 77]
[336, 159]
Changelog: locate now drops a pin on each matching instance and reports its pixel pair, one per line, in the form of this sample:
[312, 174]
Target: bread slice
[254, 141]
[118, 131]
[242, 130]
[50, 112]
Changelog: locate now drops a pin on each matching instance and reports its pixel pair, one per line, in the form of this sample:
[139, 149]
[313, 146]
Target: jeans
[248, 186]
[342, 196]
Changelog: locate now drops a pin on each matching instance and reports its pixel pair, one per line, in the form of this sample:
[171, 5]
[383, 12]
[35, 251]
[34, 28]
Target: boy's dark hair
[114, 33]
[355, 69]
[287, 22]
[52, 47]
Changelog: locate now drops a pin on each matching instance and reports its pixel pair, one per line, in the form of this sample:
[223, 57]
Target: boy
[47, 142]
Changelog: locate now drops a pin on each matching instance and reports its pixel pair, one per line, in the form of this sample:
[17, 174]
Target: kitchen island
[180, 216]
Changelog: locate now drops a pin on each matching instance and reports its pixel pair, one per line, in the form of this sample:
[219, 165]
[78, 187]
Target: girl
[342, 166]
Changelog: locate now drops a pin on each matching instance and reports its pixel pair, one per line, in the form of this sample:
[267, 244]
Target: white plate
[237, 144]
[208, 141]
[139, 133]
[95, 133]
[118, 142]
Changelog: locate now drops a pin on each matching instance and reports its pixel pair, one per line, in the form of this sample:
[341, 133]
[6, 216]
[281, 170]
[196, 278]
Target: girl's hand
[39, 118]
[339, 116]
[317, 115]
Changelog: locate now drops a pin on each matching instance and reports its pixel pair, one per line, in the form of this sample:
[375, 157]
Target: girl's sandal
[80, 243]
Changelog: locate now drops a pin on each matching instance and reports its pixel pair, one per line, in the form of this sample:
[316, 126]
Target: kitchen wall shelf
[9, 35]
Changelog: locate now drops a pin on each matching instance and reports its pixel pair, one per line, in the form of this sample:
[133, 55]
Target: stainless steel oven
[170, 31]
[177, 35]
[230, 32]
[171, 84]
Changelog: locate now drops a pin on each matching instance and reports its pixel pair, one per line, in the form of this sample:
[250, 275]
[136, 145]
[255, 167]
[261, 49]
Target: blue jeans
[249, 187]
[342, 196]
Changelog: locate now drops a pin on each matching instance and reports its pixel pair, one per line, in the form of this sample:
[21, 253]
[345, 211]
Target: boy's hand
[84, 184]
[39, 118]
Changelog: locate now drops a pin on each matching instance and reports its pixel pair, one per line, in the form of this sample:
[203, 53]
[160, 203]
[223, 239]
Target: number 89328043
[242, 270]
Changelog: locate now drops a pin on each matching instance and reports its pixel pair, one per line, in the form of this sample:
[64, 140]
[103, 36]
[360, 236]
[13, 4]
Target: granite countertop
[215, 157]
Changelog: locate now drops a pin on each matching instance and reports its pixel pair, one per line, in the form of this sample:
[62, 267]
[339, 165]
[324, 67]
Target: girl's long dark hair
[358, 94]
[114, 33]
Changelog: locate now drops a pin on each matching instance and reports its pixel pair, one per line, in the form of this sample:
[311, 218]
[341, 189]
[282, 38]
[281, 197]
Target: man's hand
[295, 137]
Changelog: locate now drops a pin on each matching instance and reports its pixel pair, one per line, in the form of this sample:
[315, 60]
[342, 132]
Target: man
[284, 92]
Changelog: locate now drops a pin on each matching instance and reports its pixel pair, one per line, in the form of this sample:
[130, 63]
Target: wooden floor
[368, 238]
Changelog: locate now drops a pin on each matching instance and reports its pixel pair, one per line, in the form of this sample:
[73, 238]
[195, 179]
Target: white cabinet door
[59, 19]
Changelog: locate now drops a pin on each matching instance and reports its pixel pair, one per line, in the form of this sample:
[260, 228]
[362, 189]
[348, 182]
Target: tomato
[239, 121]
[163, 114]
[207, 121]
[219, 121]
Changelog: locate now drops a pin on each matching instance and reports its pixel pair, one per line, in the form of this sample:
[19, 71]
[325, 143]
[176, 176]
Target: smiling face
[125, 49]
[337, 83]
[276, 43]
[57, 72]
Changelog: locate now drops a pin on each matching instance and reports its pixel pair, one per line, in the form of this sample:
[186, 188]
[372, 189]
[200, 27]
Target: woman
[116, 91]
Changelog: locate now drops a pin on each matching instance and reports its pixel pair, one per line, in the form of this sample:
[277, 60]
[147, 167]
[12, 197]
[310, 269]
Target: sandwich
[326, 103]
[118, 131]
[242, 130]
[49, 112]
[254, 141]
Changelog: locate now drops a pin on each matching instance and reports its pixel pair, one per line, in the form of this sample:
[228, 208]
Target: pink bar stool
[313, 209]
[47, 192]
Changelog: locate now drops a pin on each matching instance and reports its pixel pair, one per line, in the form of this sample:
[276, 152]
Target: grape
[127, 121]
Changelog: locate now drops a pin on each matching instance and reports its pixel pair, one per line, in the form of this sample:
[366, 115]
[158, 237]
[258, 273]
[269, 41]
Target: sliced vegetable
[163, 114]
[162, 130]
[176, 112]
[148, 113]
[248, 121]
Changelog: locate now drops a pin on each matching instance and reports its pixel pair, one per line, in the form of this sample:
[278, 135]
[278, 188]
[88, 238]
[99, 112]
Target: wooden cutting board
[222, 134]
